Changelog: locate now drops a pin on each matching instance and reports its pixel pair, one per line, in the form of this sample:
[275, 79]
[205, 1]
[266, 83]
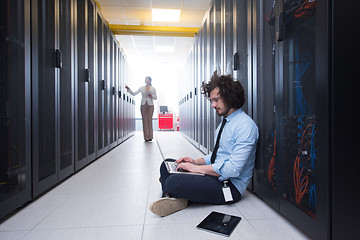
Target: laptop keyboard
[173, 167]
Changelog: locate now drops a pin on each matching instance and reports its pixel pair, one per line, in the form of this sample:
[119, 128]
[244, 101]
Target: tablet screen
[220, 223]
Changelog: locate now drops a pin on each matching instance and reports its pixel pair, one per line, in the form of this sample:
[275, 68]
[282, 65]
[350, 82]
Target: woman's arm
[131, 92]
[153, 94]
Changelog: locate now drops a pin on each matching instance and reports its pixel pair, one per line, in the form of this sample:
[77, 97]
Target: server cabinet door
[298, 116]
[66, 103]
[241, 55]
[204, 74]
[266, 180]
[218, 46]
[116, 94]
[91, 137]
[212, 66]
[107, 88]
[228, 32]
[112, 93]
[197, 84]
[15, 118]
[44, 95]
[85, 151]
[101, 85]
[121, 90]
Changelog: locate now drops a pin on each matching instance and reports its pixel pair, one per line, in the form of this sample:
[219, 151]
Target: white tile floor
[110, 199]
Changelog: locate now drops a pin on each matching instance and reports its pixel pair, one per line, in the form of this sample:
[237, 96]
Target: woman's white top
[145, 95]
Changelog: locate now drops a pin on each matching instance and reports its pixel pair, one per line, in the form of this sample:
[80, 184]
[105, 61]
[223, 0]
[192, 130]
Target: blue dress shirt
[235, 158]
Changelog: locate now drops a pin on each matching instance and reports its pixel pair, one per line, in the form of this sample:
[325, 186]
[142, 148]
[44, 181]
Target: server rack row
[63, 102]
[283, 54]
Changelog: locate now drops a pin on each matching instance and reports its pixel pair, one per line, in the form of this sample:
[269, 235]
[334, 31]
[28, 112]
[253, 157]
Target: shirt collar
[232, 115]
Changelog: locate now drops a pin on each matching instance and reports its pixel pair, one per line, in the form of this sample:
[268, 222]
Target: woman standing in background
[148, 93]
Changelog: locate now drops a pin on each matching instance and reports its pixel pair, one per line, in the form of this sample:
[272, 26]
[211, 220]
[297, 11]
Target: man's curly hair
[231, 92]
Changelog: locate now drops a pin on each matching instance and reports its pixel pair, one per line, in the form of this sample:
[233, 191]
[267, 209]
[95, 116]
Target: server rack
[85, 84]
[102, 89]
[120, 98]
[67, 89]
[55, 110]
[290, 160]
[52, 160]
[15, 111]
[282, 54]
[111, 94]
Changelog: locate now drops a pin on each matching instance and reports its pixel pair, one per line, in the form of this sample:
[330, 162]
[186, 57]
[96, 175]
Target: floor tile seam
[257, 218]
[253, 227]
[89, 193]
[14, 230]
[295, 228]
[158, 145]
[149, 189]
[51, 212]
[86, 227]
[172, 223]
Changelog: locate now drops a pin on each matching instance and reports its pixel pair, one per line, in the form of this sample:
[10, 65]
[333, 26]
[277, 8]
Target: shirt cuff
[207, 159]
[216, 166]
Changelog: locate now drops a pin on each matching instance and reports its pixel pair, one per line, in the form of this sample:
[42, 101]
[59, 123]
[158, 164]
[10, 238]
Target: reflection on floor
[110, 199]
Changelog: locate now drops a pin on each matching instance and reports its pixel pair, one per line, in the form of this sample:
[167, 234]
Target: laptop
[172, 169]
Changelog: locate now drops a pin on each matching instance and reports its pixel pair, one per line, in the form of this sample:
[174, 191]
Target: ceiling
[149, 47]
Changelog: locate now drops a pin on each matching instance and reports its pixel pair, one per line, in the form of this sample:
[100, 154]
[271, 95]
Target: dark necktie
[213, 155]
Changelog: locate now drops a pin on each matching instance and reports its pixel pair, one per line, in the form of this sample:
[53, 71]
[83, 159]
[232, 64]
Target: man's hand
[188, 167]
[185, 160]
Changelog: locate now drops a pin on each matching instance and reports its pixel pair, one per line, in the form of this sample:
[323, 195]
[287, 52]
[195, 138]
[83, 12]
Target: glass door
[101, 85]
[266, 173]
[299, 125]
[85, 133]
[44, 94]
[302, 192]
[15, 118]
[66, 85]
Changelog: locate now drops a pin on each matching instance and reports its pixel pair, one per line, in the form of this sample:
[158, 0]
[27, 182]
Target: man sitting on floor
[228, 170]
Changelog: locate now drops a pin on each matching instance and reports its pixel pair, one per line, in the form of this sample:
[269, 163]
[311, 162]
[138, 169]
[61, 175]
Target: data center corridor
[110, 198]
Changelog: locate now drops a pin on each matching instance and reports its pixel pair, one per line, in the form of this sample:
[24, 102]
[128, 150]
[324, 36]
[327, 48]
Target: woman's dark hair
[231, 92]
[149, 79]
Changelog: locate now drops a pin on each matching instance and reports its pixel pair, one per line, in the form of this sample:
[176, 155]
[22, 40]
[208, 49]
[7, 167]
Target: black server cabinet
[85, 84]
[197, 85]
[52, 154]
[116, 94]
[266, 172]
[107, 54]
[101, 84]
[15, 116]
[120, 98]
[66, 88]
[112, 94]
[44, 95]
[344, 95]
[292, 162]
[241, 57]
[216, 11]
[212, 54]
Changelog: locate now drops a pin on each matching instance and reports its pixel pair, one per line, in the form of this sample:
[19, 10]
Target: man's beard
[223, 112]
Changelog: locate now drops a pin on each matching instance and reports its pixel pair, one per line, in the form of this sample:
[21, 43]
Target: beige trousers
[147, 113]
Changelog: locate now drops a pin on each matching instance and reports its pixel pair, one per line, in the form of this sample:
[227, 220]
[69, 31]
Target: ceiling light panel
[165, 15]
[164, 49]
